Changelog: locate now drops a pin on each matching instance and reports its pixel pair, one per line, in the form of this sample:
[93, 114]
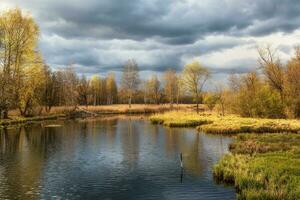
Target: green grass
[230, 124]
[264, 166]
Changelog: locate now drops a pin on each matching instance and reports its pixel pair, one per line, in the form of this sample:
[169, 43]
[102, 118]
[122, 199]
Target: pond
[118, 157]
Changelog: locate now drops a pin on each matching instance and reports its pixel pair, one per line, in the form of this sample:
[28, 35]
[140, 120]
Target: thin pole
[181, 162]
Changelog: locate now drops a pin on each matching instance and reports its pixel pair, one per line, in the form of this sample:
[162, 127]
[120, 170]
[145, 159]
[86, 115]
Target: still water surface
[110, 158]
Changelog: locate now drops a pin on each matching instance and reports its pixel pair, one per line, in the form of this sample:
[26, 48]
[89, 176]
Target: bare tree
[112, 89]
[70, 82]
[154, 89]
[171, 85]
[221, 97]
[130, 79]
[272, 68]
[51, 89]
[83, 90]
[195, 75]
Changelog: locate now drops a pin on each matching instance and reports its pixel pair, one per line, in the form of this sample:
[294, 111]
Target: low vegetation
[229, 124]
[264, 166]
[181, 119]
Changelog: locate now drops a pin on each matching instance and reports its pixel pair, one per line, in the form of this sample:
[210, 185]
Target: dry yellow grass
[115, 108]
[230, 124]
[123, 108]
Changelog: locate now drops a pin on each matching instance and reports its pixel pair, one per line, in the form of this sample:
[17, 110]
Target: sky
[99, 36]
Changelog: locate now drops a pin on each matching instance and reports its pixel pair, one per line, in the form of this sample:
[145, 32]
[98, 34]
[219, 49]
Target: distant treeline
[29, 85]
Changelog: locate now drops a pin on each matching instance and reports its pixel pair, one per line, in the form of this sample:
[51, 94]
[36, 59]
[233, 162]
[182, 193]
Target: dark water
[113, 158]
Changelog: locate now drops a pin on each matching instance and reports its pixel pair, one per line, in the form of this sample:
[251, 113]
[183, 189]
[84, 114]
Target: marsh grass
[112, 109]
[267, 169]
[181, 119]
[230, 124]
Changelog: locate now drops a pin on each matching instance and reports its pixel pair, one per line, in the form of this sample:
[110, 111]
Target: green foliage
[269, 170]
[254, 98]
[211, 100]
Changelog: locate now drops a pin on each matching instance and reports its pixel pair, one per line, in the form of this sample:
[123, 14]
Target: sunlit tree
[130, 80]
[195, 75]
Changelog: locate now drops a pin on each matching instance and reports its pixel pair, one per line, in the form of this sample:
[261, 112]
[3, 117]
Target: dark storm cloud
[177, 22]
[100, 35]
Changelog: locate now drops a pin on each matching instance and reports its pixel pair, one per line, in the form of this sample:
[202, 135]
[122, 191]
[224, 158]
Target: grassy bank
[230, 124]
[264, 166]
[260, 166]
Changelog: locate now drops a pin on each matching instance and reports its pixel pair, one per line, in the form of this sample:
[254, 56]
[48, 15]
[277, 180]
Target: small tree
[83, 90]
[171, 85]
[130, 80]
[112, 90]
[195, 75]
[50, 94]
[221, 98]
[211, 100]
[154, 89]
[272, 68]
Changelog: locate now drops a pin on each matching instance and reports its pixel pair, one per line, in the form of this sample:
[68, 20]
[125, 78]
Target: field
[264, 166]
[229, 124]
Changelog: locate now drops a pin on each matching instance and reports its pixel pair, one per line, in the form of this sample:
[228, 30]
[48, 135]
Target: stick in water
[181, 163]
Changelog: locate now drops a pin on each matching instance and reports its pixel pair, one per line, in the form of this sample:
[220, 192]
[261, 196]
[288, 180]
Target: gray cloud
[100, 35]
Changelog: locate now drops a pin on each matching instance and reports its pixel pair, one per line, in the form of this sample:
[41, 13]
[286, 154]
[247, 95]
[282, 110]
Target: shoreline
[8, 123]
[93, 111]
[263, 161]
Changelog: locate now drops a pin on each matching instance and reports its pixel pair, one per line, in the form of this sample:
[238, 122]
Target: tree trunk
[5, 113]
[129, 102]
[197, 102]
[223, 110]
